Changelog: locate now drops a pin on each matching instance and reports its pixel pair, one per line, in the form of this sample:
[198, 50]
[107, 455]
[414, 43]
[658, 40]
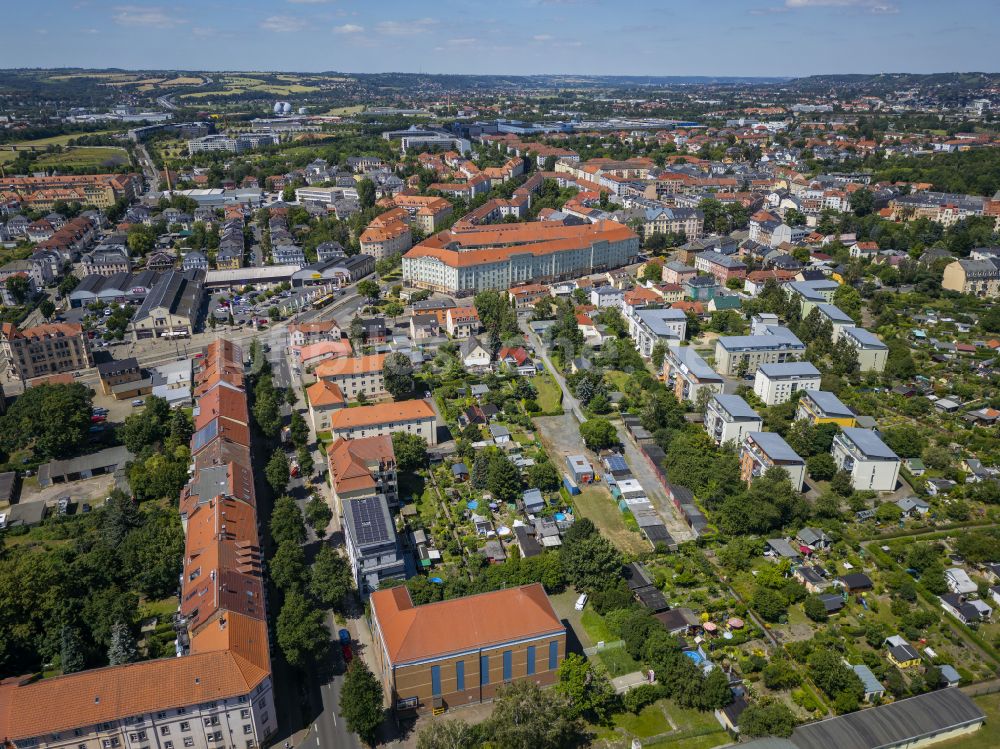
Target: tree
[590, 563]
[276, 471]
[305, 461]
[123, 648]
[503, 478]
[588, 691]
[842, 483]
[780, 674]
[318, 514]
[356, 332]
[497, 315]
[366, 194]
[47, 308]
[71, 651]
[904, 441]
[286, 522]
[658, 354]
[288, 566]
[814, 608]
[715, 693]
[370, 290]
[299, 430]
[821, 467]
[410, 450]
[862, 202]
[141, 239]
[121, 515]
[598, 434]
[543, 476]
[52, 419]
[330, 577]
[302, 633]
[361, 701]
[769, 717]
[397, 373]
[768, 603]
[527, 717]
[449, 734]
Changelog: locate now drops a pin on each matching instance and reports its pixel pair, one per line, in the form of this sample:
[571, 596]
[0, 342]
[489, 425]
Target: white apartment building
[688, 375]
[761, 451]
[862, 453]
[649, 326]
[355, 375]
[872, 352]
[728, 418]
[413, 416]
[743, 354]
[836, 317]
[775, 383]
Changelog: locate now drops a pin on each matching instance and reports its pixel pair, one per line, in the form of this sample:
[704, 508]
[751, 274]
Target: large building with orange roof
[354, 374]
[362, 467]
[218, 691]
[457, 652]
[45, 349]
[323, 399]
[504, 255]
[414, 417]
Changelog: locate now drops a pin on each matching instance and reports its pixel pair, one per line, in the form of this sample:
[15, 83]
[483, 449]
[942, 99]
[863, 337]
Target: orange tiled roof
[412, 633]
[350, 365]
[381, 413]
[322, 394]
[349, 461]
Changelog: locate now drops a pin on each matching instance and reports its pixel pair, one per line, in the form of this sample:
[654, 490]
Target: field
[663, 724]
[84, 156]
[596, 504]
[233, 85]
[346, 111]
[549, 394]
[8, 154]
[123, 80]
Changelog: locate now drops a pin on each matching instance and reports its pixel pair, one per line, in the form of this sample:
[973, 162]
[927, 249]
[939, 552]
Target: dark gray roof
[869, 443]
[775, 447]
[828, 403]
[891, 725]
[789, 369]
[865, 338]
[117, 366]
[736, 407]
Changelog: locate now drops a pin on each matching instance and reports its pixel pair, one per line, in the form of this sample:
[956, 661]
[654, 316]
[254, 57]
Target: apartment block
[415, 417]
[823, 407]
[838, 319]
[722, 267]
[355, 375]
[811, 293]
[457, 652]
[44, 350]
[775, 383]
[871, 463]
[979, 278]
[761, 451]
[647, 327]
[384, 239]
[743, 354]
[688, 375]
[373, 549]
[323, 398]
[728, 418]
[424, 212]
[873, 354]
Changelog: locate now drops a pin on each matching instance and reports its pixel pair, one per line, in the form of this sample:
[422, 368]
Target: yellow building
[822, 407]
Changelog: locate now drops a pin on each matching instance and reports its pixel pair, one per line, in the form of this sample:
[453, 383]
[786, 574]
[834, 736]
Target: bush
[642, 696]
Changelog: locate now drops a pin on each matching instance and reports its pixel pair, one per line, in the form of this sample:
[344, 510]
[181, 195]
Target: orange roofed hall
[457, 652]
[474, 258]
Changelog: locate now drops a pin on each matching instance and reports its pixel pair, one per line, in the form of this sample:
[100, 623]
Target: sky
[616, 37]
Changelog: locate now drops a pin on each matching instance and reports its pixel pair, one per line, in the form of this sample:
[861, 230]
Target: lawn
[618, 662]
[345, 111]
[84, 157]
[596, 504]
[549, 394]
[987, 737]
[676, 728]
[593, 623]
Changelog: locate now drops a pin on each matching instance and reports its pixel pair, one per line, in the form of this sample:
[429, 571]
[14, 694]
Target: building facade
[415, 417]
[775, 383]
[688, 375]
[46, 349]
[355, 375]
[872, 464]
[728, 418]
[761, 451]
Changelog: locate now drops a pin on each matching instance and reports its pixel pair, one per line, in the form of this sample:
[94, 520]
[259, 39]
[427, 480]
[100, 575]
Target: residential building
[323, 398]
[426, 213]
[106, 260]
[504, 255]
[728, 418]
[873, 354]
[462, 322]
[761, 451]
[288, 254]
[362, 468]
[607, 296]
[689, 376]
[979, 278]
[304, 333]
[373, 551]
[457, 652]
[743, 354]
[678, 273]
[172, 308]
[387, 235]
[775, 383]
[811, 293]
[355, 375]
[123, 378]
[873, 688]
[414, 416]
[862, 453]
[99, 190]
[958, 581]
[647, 327]
[721, 267]
[838, 319]
[823, 407]
[44, 350]
[474, 354]
[701, 288]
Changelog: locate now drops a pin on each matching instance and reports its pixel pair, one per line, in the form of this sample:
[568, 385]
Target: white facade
[648, 326]
[728, 418]
[872, 465]
[775, 383]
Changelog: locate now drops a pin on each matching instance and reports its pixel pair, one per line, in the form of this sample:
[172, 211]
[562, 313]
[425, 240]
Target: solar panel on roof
[369, 522]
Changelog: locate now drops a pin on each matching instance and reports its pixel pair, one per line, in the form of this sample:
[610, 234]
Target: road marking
[317, 741]
[334, 718]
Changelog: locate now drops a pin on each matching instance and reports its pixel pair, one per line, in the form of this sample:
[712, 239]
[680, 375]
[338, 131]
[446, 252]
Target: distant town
[448, 411]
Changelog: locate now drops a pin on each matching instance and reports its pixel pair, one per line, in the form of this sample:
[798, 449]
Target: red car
[98, 418]
[345, 650]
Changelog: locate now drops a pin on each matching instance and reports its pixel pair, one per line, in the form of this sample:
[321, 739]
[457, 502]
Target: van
[581, 602]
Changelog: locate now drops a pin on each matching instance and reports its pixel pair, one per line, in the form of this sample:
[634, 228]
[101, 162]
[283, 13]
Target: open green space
[595, 503]
[84, 157]
[549, 393]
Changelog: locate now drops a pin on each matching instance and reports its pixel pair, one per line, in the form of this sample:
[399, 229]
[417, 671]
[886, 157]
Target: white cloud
[405, 28]
[147, 16]
[348, 28]
[282, 24]
[873, 6]
[463, 42]
[542, 37]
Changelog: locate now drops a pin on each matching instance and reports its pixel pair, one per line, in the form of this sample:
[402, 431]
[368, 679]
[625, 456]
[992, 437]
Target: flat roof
[772, 341]
[775, 446]
[736, 407]
[789, 369]
[892, 725]
[690, 358]
[835, 313]
[869, 443]
[828, 403]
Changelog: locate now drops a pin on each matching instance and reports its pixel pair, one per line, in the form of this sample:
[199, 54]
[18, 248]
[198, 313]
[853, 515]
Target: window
[181, 710]
[188, 741]
[436, 681]
[248, 728]
[217, 736]
[460, 676]
[212, 720]
[553, 655]
[185, 726]
[250, 744]
[531, 660]
[168, 745]
[244, 714]
[484, 669]
[164, 730]
[242, 699]
[508, 664]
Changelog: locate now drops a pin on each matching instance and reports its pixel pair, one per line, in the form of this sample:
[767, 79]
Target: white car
[581, 602]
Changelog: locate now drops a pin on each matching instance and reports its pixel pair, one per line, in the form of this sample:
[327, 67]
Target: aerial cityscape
[477, 378]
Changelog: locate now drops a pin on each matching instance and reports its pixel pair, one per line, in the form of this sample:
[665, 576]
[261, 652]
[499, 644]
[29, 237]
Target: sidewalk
[629, 681]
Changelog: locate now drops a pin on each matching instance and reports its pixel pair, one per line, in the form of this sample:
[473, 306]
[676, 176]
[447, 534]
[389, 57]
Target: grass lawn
[651, 721]
[597, 505]
[986, 737]
[618, 662]
[344, 111]
[84, 157]
[618, 380]
[705, 741]
[593, 623]
[676, 727]
[549, 394]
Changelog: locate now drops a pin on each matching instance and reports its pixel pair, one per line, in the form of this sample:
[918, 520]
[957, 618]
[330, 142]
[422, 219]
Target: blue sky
[622, 37]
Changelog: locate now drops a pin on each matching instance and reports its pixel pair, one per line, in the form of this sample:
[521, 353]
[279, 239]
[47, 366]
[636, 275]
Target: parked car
[581, 602]
[345, 650]
[345, 637]
[138, 402]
